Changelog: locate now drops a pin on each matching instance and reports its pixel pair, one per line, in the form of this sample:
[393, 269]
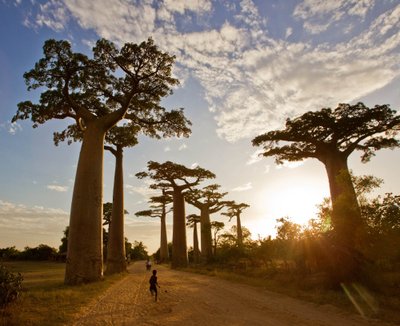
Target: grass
[45, 300]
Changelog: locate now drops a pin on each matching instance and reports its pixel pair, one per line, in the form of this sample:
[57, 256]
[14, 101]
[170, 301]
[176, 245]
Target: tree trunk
[346, 220]
[116, 262]
[205, 229]
[163, 241]
[196, 252]
[179, 246]
[85, 246]
[239, 231]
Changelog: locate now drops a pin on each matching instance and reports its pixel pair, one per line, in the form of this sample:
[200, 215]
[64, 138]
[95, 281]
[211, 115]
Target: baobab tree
[208, 201]
[235, 210]
[116, 84]
[192, 221]
[178, 178]
[330, 136]
[216, 227]
[117, 138]
[158, 208]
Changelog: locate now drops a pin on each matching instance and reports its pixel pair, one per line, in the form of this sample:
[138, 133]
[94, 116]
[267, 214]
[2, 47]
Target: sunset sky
[244, 67]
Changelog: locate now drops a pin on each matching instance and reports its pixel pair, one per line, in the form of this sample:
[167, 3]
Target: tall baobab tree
[117, 138]
[208, 201]
[178, 178]
[192, 221]
[330, 136]
[235, 210]
[158, 208]
[117, 83]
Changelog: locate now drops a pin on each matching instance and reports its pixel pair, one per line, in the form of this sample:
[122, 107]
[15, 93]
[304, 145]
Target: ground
[192, 299]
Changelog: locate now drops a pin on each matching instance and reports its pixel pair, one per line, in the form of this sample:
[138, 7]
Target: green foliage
[138, 251]
[344, 129]
[9, 253]
[41, 252]
[10, 286]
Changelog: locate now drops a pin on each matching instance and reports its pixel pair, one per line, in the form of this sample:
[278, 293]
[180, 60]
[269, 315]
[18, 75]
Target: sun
[298, 201]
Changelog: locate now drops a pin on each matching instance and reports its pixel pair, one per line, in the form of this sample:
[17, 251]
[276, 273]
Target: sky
[244, 68]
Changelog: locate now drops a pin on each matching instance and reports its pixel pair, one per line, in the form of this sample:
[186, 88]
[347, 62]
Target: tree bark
[85, 246]
[205, 230]
[179, 246]
[239, 231]
[163, 241]
[196, 252]
[116, 262]
[347, 223]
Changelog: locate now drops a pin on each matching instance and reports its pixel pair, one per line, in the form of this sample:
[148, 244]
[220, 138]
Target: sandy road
[192, 299]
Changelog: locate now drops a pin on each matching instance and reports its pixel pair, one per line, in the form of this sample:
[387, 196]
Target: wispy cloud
[244, 187]
[182, 147]
[11, 127]
[255, 157]
[253, 81]
[57, 188]
[23, 225]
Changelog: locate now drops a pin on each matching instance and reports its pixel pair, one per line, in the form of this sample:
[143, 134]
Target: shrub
[10, 286]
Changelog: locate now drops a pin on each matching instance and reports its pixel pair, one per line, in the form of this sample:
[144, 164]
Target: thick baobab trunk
[346, 220]
[116, 262]
[205, 230]
[239, 231]
[179, 246]
[196, 252]
[85, 245]
[163, 241]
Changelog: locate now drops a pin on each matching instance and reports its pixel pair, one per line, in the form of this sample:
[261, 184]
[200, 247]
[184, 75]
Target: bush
[10, 286]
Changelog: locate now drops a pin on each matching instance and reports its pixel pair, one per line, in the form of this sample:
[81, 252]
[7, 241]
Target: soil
[192, 299]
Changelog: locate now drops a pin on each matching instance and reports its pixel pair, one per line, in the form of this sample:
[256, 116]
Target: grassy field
[45, 300]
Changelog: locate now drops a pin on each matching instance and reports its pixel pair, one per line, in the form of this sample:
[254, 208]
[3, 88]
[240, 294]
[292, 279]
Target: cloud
[167, 149]
[145, 191]
[244, 187]
[319, 15]
[57, 188]
[182, 147]
[290, 165]
[22, 225]
[11, 127]
[252, 81]
[255, 157]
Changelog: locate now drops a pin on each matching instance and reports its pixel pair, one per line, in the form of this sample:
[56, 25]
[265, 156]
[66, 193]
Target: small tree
[331, 136]
[208, 201]
[192, 221]
[235, 210]
[159, 209]
[216, 227]
[178, 178]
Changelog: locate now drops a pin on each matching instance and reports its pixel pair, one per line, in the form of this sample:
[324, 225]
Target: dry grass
[45, 299]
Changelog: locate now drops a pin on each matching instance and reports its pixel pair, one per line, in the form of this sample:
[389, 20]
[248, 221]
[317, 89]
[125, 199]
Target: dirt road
[191, 299]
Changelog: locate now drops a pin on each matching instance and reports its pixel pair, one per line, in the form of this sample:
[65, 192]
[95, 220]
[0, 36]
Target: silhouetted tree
[331, 136]
[208, 201]
[97, 93]
[178, 178]
[159, 209]
[216, 227]
[235, 210]
[192, 221]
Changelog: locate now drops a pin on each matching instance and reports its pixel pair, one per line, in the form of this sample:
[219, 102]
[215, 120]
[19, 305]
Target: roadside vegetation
[44, 299]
